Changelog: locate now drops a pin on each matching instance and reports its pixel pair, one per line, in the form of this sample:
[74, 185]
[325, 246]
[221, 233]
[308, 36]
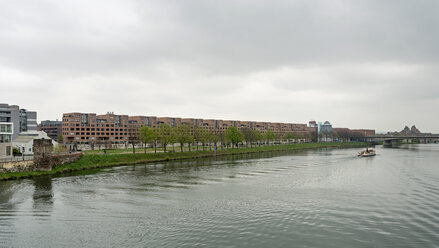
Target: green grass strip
[94, 161]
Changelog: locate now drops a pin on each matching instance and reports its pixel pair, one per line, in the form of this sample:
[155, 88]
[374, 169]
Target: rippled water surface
[315, 198]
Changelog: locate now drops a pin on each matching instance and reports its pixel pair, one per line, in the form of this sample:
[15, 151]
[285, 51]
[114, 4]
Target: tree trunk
[181, 147]
[134, 149]
[144, 146]
[155, 147]
[164, 148]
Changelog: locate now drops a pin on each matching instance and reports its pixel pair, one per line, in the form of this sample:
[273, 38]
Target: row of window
[99, 125]
[98, 121]
[223, 127]
[93, 138]
[100, 134]
[99, 129]
[158, 122]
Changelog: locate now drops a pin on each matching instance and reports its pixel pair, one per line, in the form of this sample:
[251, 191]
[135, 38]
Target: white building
[25, 141]
[5, 150]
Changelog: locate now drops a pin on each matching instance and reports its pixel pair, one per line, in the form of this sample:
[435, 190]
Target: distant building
[52, 128]
[325, 128]
[6, 131]
[24, 142]
[346, 134]
[5, 150]
[364, 132]
[21, 119]
[14, 120]
[325, 131]
[88, 128]
[28, 120]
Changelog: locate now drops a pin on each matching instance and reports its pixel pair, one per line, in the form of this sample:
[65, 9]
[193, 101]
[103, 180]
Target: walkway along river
[308, 198]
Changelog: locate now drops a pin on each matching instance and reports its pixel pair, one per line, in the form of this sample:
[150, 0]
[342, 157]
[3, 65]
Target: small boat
[367, 153]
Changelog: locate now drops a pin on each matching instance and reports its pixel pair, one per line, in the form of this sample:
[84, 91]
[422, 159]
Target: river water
[313, 198]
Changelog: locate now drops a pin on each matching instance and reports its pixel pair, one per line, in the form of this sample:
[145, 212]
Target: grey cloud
[258, 60]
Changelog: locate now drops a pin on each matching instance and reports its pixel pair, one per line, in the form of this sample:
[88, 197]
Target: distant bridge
[388, 140]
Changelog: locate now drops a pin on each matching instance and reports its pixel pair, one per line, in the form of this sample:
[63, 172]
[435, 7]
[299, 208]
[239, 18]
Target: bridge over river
[389, 139]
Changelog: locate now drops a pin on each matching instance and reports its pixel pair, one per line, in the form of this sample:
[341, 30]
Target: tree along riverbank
[94, 161]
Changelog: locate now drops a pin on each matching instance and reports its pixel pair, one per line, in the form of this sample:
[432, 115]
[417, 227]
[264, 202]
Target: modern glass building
[22, 120]
[13, 121]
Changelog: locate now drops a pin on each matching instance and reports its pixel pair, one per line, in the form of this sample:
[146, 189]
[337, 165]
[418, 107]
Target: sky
[358, 64]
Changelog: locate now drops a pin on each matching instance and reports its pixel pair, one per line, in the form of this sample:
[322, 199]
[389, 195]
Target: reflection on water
[6, 207]
[43, 195]
[6, 193]
[313, 198]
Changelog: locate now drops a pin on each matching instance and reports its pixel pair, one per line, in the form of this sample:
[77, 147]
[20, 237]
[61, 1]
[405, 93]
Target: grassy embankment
[94, 161]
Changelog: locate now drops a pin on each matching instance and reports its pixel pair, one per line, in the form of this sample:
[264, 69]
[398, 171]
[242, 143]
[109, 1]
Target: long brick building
[87, 128]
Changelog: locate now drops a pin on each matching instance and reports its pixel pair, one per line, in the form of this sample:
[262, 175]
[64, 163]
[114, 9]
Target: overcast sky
[358, 64]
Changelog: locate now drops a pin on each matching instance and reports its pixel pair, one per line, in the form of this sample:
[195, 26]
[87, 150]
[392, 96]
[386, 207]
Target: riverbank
[95, 161]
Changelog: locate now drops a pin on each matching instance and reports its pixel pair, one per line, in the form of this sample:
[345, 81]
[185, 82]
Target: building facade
[364, 132]
[8, 115]
[5, 150]
[89, 128]
[325, 128]
[52, 128]
[22, 120]
[28, 120]
[6, 131]
[13, 121]
[25, 141]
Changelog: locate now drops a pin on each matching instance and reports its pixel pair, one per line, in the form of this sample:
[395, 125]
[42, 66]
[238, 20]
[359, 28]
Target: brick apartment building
[91, 128]
[87, 128]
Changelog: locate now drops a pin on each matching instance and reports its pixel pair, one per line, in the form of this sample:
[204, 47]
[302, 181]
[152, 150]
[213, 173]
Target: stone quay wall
[65, 158]
[17, 166]
[30, 165]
